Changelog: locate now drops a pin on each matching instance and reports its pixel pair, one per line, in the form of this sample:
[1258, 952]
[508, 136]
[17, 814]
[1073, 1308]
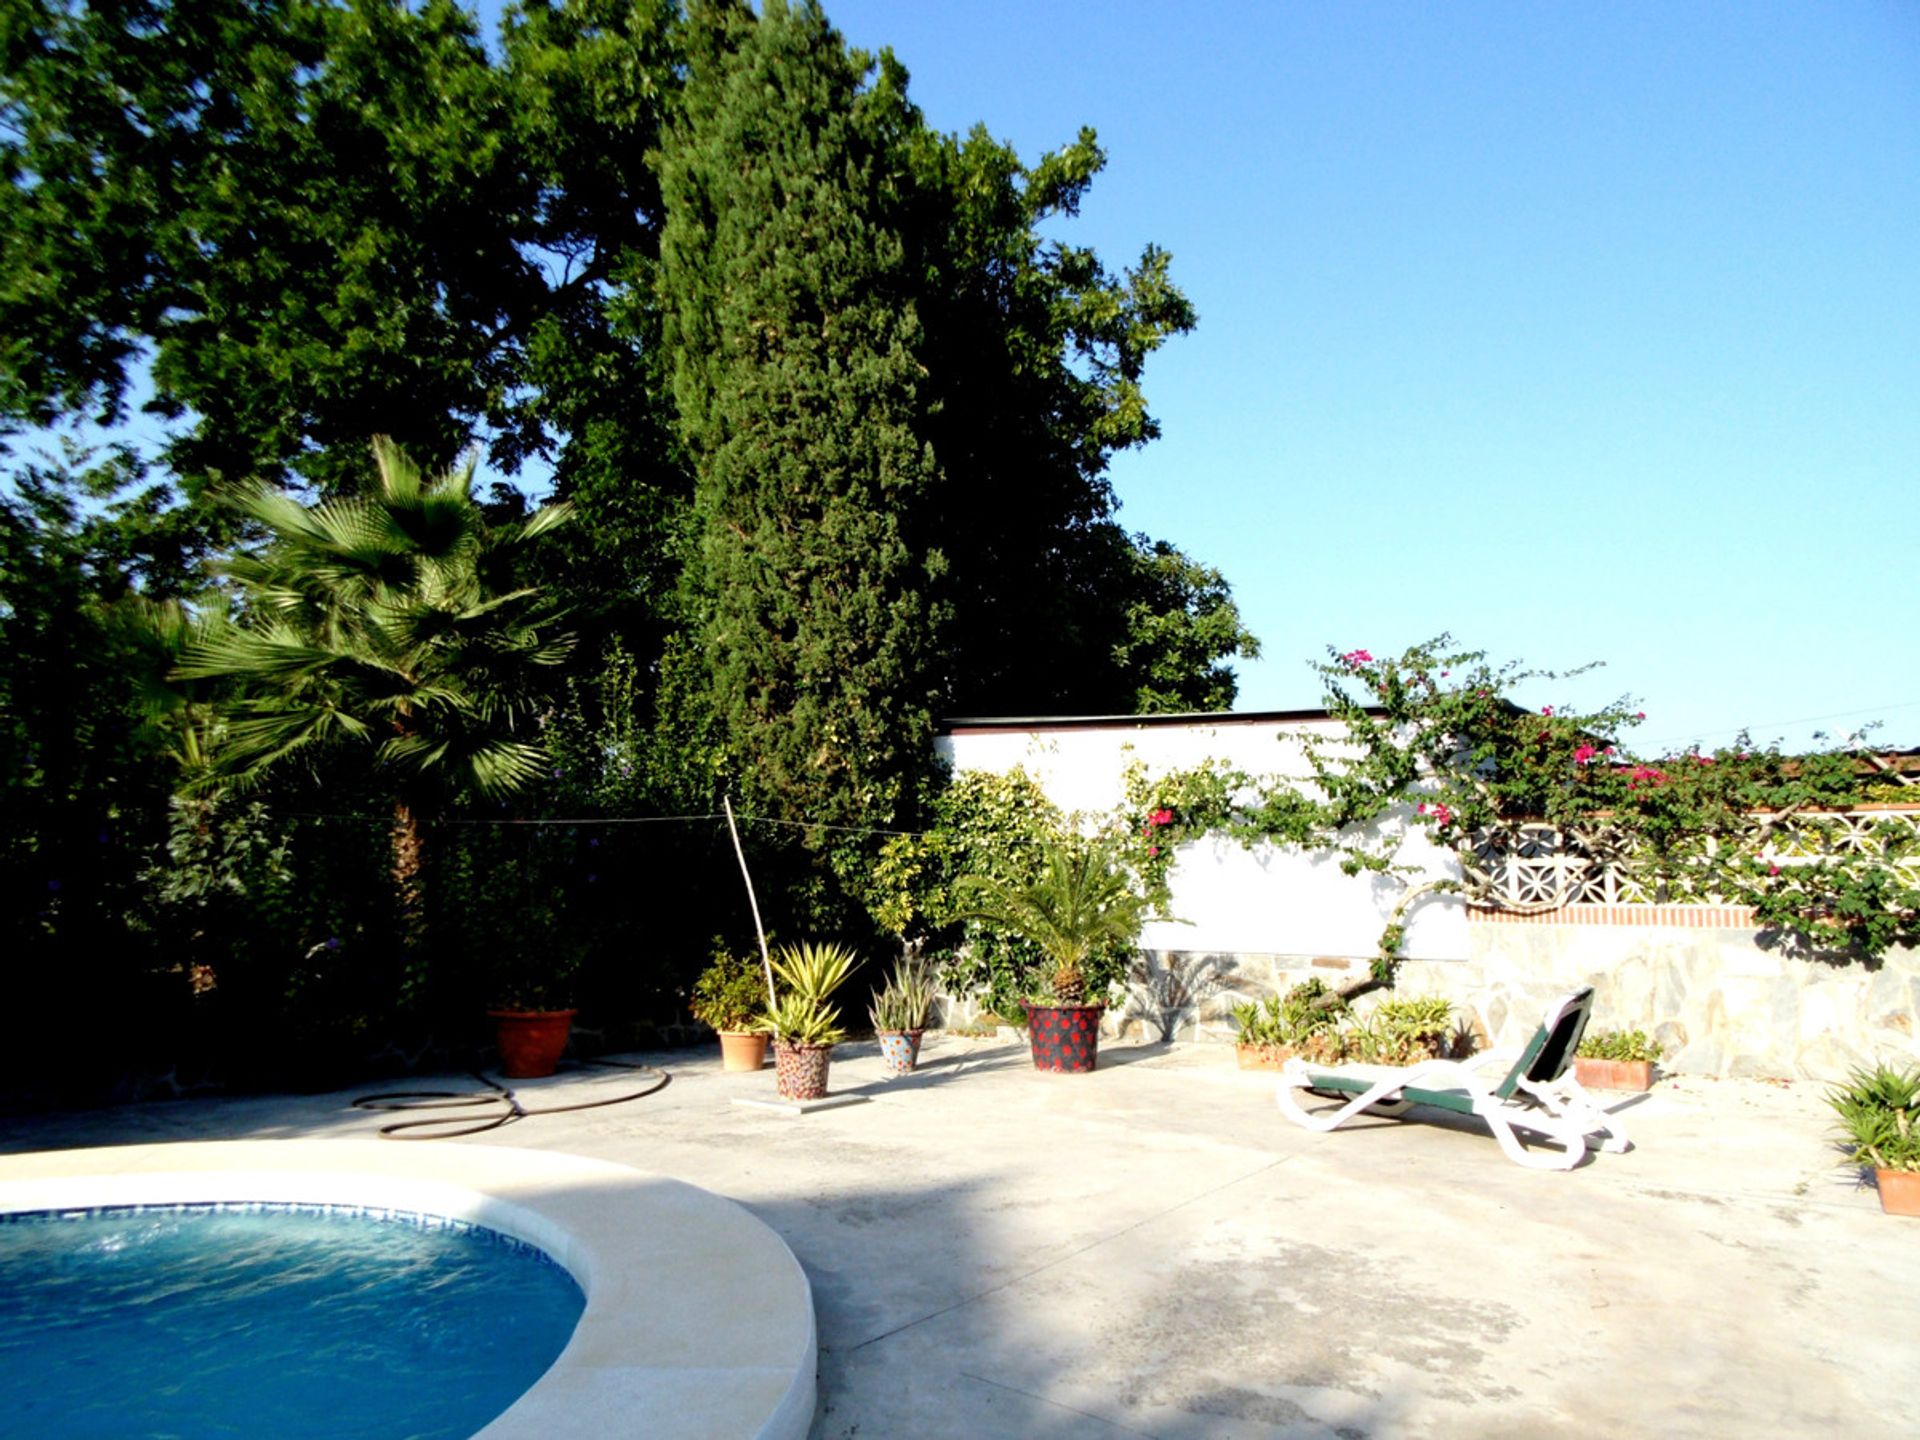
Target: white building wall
[1233, 901]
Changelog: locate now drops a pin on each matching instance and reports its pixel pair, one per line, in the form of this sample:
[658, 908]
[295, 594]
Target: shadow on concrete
[937, 1321]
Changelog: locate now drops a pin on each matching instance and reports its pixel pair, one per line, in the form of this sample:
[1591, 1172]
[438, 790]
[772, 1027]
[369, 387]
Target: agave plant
[808, 974]
[1879, 1112]
[1080, 901]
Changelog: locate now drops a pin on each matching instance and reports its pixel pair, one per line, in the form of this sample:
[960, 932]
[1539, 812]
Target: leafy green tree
[791, 324]
[323, 220]
[81, 786]
[391, 625]
[1035, 354]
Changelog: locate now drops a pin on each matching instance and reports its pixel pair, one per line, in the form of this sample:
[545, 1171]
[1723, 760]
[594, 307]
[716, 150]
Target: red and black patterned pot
[1065, 1038]
[800, 1071]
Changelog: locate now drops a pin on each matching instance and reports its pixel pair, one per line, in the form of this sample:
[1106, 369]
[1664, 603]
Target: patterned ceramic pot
[800, 1071]
[899, 1051]
[1064, 1038]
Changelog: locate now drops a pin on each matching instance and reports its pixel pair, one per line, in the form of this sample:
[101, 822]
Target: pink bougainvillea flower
[1421, 808]
[1153, 849]
[1583, 754]
[1160, 817]
[1639, 714]
[1773, 869]
[1546, 710]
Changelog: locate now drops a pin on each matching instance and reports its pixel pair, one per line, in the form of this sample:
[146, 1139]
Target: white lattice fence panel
[1538, 867]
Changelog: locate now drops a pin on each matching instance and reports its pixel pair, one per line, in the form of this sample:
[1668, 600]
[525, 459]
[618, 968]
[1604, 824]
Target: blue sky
[1584, 332]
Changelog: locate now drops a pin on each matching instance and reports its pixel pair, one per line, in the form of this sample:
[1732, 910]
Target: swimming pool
[698, 1322]
[305, 1323]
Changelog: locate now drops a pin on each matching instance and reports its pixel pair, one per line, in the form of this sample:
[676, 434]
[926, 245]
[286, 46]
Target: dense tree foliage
[791, 323]
[834, 415]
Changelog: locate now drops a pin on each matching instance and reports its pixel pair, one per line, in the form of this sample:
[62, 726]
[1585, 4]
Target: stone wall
[1721, 998]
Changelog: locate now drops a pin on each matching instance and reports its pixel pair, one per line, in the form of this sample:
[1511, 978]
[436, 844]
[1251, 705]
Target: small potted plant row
[1879, 1110]
[1615, 1060]
[1315, 1022]
[1274, 1030]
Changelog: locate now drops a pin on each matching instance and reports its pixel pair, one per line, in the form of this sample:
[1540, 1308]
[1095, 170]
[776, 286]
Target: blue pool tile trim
[420, 1220]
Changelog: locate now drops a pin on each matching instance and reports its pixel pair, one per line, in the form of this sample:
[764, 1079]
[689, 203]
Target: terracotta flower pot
[1613, 1074]
[1899, 1191]
[530, 1041]
[1263, 1057]
[800, 1071]
[742, 1050]
[899, 1051]
[1064, 1038]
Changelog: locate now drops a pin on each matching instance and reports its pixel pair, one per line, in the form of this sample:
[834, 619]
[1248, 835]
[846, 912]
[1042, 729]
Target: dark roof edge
[986, 724]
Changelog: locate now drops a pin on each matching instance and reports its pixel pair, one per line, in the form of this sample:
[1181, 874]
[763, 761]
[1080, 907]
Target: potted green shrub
[1079, 908]
[1615, 1060]
[1879, 1112]
[803, 1026]
[899, 1014]
[1281, 1026]
[533, 989]
[730, 997]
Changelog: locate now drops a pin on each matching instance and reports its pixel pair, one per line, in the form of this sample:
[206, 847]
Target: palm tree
[386, 622]
[1078, 903]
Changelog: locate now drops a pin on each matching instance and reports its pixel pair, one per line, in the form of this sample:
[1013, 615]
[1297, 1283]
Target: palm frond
[275, 651]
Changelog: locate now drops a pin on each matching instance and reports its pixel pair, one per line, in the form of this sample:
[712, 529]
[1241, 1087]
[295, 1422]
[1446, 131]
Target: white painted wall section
[1262, 901]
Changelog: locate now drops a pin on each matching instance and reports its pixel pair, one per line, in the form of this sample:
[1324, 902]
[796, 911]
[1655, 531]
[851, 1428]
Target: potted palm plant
[730, 996]
[1879, 1112]
[899, 1014]
[1080, 908]
[803, 1026]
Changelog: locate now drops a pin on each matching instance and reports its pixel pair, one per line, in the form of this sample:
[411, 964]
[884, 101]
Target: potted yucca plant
[803, 1026]
[899, 1014]
[1080, 904]
[1879, 1112]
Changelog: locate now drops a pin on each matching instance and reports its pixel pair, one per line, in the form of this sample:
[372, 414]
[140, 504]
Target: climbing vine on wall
[1431, 741]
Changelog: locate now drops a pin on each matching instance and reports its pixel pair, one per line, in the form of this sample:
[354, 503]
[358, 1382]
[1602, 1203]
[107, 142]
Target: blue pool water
[186, 1323]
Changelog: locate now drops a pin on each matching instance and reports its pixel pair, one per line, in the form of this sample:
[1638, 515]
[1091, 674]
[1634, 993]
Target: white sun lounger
[1535, 1092]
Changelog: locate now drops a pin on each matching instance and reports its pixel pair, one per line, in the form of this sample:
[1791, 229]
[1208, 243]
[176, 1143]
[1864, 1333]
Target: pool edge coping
[741, 1306]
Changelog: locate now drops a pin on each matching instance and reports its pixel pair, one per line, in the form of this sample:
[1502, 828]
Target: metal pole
[766, 960]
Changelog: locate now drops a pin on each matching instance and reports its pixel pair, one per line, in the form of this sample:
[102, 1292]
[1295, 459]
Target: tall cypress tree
[790, 323]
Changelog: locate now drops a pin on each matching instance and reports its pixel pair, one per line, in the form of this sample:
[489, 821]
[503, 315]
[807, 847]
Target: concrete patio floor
[1154, 1250]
